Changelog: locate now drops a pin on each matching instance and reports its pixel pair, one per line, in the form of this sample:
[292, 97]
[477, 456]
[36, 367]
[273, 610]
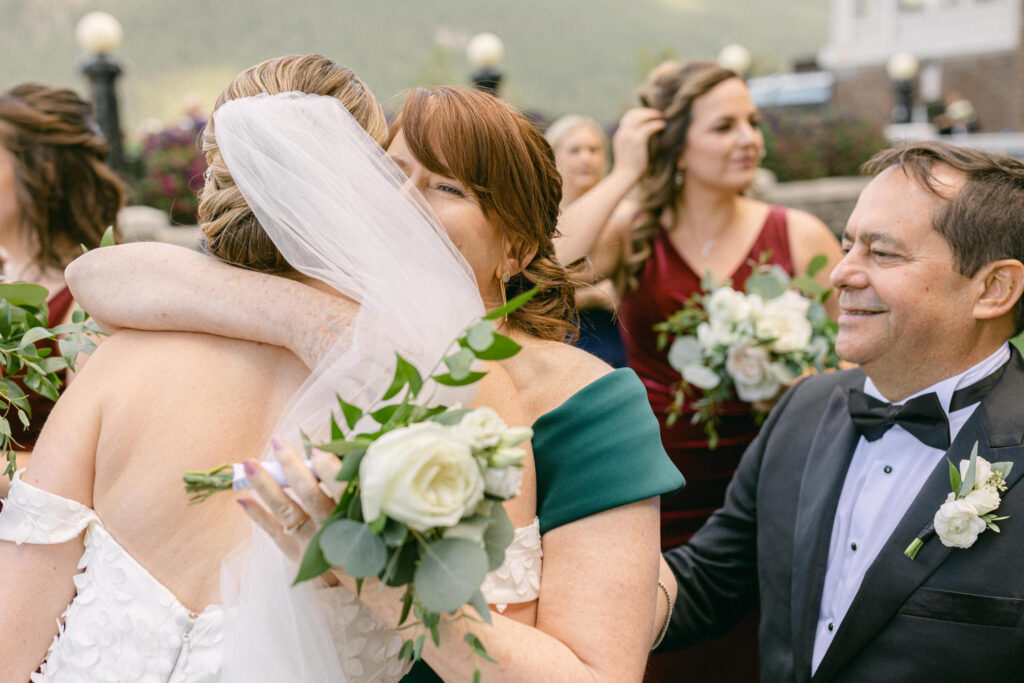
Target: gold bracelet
[668, 615]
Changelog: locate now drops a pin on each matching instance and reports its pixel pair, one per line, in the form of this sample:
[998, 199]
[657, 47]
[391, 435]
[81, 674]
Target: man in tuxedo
[851, 466]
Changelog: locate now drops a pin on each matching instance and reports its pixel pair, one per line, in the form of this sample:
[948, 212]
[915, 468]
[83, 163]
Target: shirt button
[831, 626]
[887, 469]
[853, 546]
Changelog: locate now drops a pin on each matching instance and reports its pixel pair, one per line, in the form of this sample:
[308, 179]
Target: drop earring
[502, 281]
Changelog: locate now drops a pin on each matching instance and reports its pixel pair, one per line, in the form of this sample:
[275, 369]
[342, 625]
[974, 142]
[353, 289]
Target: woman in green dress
[490, 178]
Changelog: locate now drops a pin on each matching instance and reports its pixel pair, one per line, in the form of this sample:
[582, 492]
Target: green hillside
[561, 55]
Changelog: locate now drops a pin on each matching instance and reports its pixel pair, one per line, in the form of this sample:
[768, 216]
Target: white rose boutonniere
[969, 508]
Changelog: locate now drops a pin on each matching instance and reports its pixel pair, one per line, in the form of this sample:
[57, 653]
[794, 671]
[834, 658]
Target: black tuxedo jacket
[948, 615]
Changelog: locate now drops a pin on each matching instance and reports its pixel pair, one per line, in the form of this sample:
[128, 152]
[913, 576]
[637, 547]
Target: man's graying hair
[984, 220]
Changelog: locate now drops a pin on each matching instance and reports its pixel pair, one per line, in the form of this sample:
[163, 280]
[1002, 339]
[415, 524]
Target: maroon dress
[665, 283]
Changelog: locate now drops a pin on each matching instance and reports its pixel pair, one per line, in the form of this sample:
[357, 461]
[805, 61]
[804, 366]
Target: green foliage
[24, 324]
[803, 146]
[450, 571]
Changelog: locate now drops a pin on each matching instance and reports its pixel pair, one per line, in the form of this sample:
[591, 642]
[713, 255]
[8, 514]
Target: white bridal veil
[335, 206]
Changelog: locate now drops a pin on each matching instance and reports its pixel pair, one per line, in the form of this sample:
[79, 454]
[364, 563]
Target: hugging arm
[152, 286]
[716, 571]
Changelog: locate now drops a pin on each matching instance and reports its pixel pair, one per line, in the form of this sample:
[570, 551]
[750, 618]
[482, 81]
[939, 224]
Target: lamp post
[99, 34]
[902, 68]
[485, 51]
[736, 58]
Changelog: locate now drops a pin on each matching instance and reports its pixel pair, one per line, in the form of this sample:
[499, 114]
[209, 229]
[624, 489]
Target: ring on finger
[294, 528]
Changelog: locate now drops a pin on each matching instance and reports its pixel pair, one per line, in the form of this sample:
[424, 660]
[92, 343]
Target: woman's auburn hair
[66, 194]
[508, 165]
[232, 233]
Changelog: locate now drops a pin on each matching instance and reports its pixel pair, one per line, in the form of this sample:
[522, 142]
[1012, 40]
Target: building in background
[969, 51]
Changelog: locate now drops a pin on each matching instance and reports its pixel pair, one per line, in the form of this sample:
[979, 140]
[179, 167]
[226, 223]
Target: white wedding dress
[124, 625]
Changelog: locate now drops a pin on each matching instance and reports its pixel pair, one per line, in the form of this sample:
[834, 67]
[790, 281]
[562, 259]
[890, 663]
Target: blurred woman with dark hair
[56, 195]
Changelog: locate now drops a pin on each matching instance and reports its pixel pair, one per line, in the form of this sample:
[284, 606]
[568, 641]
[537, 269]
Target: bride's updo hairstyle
[233, 234]
[505, 161]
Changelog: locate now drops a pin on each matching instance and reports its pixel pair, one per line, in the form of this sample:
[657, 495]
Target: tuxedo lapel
[824, 473]
[997, 426]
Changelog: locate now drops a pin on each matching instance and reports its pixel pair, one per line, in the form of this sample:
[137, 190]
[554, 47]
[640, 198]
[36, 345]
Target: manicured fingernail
[250, 468]
[276, 443]
[244, 503]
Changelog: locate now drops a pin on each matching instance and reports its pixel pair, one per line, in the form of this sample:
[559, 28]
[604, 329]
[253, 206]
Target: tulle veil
[335, 206]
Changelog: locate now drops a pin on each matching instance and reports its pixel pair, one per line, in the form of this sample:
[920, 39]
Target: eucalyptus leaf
[459, 364]
[968, 483]
[479, 603]
[313, 562]
[450, 381]
[480, 336]
[394, 533]
[354, 547]
[449, 573]
[502, 347]
[452, 416]
[512, 305]
[351, 412]
[808, 285]
[817, 263]
[350, 465]
[405, 558]
[344, 447]
[768, 284]
[498, 536]
[954, 476]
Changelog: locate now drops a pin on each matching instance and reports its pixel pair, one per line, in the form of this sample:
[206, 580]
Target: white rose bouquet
[424, 486]
[970, 507]
[729, 344]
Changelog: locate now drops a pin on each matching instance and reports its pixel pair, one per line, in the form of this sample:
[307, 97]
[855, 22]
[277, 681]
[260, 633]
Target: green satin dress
[599, 450]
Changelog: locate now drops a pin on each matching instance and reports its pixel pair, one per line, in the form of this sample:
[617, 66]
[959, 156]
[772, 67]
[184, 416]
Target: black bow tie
[922, 416]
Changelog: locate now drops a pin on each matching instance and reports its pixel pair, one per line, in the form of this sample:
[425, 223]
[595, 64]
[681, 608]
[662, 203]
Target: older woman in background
[56, 194]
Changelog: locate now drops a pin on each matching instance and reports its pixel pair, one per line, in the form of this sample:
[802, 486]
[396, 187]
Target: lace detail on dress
[32, 515]
[123, 624]
[370, 647]
[518, 578]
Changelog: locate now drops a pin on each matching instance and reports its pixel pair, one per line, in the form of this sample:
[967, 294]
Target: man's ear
[1000, 286]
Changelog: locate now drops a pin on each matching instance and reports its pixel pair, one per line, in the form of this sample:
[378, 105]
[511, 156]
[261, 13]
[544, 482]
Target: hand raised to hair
[630, 143]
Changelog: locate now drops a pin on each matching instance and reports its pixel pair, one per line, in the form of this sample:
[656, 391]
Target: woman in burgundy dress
[688, 217]
[56, 194]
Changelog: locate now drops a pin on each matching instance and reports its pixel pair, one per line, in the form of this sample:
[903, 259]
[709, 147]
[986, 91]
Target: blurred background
[836, 79]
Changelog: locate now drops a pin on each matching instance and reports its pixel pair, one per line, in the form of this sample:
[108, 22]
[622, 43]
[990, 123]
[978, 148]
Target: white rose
[749, 367]
[957, 523]
[984, 499]
[711, 335]
[421, 475]
[503, 482]
[784, 320]
[982, 471]
[700, 376]
[725, 305]
[481, 428]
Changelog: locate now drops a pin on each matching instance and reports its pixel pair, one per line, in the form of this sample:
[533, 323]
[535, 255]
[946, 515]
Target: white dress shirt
[884, 478]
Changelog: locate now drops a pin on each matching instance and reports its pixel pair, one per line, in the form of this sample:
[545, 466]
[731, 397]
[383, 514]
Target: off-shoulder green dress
[599, 450]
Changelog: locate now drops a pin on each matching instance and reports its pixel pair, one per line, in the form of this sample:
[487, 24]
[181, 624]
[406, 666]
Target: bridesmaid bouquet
[424, 485]
[24, 321]
[727, 343]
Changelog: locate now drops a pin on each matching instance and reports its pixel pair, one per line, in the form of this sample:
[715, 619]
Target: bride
[590, 615]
